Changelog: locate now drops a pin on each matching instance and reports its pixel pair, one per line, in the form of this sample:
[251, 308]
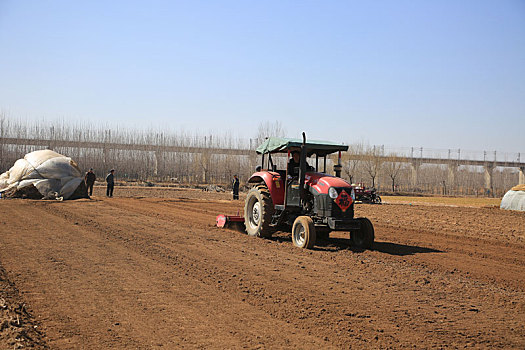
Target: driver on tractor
[293, 165]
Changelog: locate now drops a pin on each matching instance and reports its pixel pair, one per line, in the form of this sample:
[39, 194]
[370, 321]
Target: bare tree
[392, 168]
[352, 163]
[2, 132]
[268, 129]
[372, 163]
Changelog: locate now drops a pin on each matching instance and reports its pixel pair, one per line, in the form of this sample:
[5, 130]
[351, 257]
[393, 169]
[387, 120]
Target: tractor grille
[326, 206]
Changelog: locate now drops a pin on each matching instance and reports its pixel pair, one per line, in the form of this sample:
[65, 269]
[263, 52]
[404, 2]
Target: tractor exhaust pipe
[338, 167]
[302, 169]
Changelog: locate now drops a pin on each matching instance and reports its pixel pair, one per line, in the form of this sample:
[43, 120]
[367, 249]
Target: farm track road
[146, 272]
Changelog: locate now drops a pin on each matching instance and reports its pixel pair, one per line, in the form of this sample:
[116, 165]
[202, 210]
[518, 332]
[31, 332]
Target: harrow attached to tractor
[300, 199]
[229, 220]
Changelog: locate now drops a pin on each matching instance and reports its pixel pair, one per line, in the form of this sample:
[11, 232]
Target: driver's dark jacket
[293, 168]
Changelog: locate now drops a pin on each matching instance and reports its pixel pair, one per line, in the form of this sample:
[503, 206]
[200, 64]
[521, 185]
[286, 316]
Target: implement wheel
[364, 237]
[258, 212]
[303, 232]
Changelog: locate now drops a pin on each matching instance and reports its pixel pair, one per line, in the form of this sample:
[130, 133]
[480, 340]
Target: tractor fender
[273, 181]
[322, 182]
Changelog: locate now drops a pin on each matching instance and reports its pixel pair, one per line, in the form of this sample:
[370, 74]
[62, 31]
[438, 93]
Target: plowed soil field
[148, 269]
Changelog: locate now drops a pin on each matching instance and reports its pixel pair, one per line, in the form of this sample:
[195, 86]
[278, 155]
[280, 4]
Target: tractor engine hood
[322, 182]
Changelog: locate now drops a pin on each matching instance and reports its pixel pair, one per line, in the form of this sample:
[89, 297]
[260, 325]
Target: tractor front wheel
[258, 212]
[303, 232]
[364, 237]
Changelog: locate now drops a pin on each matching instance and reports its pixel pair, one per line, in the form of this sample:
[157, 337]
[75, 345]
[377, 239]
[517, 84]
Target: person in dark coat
[90, 181]
[294, 164]
[235, 187]
[110, 179]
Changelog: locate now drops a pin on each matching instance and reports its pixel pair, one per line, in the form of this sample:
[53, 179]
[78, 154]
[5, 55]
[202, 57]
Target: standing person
[235, 187]
[90, 180]
[110, 179]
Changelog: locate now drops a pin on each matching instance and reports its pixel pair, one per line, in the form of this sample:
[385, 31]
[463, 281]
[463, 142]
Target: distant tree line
[368, 165]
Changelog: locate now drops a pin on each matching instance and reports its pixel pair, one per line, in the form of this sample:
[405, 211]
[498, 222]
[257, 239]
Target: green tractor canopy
[282, 144]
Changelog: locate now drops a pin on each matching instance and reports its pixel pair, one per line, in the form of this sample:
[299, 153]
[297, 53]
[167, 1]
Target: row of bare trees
[160, 164]
[368, 165]
[361, 164]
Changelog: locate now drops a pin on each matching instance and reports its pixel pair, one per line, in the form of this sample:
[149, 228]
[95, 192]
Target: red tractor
[309, 205]
[366, 195]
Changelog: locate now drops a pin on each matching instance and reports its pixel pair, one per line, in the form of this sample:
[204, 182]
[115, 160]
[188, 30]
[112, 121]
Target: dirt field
[476, 202]
[148, 269]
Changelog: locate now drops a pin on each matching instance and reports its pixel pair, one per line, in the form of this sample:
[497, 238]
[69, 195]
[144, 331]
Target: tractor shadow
[338, 244]
[402, 249]
[322, 244]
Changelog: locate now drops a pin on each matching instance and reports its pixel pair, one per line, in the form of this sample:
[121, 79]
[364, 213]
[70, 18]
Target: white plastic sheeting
[52, 174]
[514, 199]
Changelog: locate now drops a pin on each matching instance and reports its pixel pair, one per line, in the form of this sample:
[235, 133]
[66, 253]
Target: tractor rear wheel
[364, 237]
[303, 232]
[258, 212]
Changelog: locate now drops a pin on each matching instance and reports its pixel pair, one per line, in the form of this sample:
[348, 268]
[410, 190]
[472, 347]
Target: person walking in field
[110, 179]
[235, 187]
[90, 181]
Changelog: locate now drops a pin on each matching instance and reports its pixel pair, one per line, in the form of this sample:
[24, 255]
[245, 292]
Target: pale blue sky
[440, 74]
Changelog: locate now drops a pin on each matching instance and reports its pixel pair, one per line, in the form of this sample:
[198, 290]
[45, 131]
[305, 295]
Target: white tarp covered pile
[54, 176]
[514, 199]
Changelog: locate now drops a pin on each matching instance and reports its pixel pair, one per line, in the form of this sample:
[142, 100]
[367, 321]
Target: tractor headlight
[332, 192]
